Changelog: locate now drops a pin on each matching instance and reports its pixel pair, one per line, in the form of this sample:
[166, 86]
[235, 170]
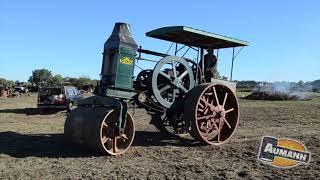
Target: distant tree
[56, 80]
[70, 80]
[6, 83]
[30, 79]
[300, 83]
[17, 82]
[316, 84]
[40, 76]
[247, 84]
[83, 81]
[10, 83]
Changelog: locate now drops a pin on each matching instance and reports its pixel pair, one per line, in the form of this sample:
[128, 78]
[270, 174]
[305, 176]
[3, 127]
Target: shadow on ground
[53, 145]
[152, 138]
[38, 145]
[29, 111]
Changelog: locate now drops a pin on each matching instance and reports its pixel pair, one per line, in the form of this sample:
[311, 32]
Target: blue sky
[67, 36]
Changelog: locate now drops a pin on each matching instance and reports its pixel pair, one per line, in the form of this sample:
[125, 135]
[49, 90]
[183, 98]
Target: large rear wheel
[213, 112]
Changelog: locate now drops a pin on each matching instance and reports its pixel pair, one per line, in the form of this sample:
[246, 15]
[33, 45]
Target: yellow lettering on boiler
[126, 60]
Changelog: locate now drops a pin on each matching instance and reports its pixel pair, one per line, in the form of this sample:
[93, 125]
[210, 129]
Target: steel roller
[95, 127]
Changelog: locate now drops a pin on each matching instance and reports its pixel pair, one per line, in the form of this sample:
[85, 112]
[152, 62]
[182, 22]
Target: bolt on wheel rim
[112, 142]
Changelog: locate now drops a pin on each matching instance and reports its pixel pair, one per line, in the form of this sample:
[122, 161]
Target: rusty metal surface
[213, 111]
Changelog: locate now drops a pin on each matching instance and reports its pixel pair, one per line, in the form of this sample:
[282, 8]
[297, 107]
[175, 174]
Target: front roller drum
[96, 128]
[213, 112]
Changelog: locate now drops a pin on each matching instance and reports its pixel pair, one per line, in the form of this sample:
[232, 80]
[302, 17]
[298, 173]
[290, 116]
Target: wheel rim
[216, 114]
[112, 143]
[167, 85]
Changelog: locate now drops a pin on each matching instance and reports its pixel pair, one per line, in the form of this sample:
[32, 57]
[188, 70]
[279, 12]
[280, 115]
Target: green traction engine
[175, 93]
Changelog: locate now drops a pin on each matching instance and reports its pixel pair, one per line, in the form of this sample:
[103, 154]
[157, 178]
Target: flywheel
[172, 78]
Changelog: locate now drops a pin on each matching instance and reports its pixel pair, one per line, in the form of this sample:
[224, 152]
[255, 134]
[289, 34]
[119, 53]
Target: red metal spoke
[215, 95]
[212, 102]
[225, 120]
[201, 110]
[114, 145]
[219, 131]
[124, 136]
[205, 117]
[206, 110]
[105, 124]
[225, 99]
[104, 140]
[215, 125]
[205, 101]
[232, 109]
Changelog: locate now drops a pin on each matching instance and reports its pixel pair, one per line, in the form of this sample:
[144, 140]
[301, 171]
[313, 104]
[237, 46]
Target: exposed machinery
[174, 92]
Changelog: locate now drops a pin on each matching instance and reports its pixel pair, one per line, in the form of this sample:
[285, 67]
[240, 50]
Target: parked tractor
[178, 92]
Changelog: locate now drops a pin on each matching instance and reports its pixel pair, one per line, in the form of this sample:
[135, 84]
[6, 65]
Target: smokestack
[121, 36]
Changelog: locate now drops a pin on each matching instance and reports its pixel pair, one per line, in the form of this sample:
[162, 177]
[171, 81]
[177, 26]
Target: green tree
[6, 83]
[56, 80]
[40, 76]
[83, 81]
[300, 83]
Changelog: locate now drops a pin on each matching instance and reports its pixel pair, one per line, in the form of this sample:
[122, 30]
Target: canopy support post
[197, 71]
[202, 63]
[232, 63]
[176, 50]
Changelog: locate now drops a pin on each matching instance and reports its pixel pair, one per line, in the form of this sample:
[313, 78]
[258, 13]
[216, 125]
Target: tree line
[44, 77]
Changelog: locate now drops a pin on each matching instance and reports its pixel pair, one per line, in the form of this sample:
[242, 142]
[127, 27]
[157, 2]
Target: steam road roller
[182, 92]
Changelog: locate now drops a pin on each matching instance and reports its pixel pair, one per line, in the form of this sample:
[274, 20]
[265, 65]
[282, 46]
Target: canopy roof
[195, 37]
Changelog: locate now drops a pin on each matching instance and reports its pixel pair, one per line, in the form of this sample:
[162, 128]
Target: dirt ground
[32, 146]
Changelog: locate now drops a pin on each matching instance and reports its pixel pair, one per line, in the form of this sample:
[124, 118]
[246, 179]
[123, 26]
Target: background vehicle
[58, 97]
[20, 90]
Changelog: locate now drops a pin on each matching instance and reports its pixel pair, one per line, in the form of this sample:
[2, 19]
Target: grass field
[32, 146]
